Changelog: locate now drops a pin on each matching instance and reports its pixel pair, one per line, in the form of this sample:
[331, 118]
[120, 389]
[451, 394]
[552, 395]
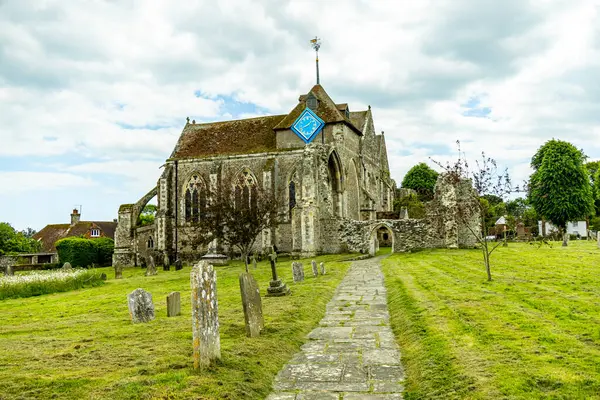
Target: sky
[94, 94]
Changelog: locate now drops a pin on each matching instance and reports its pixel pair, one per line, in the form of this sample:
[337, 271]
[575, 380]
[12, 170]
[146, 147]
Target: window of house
[574, 224]
[95, 233]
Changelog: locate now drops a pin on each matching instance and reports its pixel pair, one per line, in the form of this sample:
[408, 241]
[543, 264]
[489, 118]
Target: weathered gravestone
[141, 308]
[151, 270]
[143, 263]
[298, 271]
[67, 266]
[173, 304]
[118, 272]
[314, 268]
[6, 265]
[254, 262]
[276, 286]
[205, 317]
[322, 265]
[103, 276]
[178, 265]
[166, 263]
[8, 270]
[252, 305]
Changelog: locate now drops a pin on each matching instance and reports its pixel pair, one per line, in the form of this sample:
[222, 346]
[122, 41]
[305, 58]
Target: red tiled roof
[50, 234]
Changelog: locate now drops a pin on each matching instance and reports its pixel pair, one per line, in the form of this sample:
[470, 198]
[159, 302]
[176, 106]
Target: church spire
[316, 44]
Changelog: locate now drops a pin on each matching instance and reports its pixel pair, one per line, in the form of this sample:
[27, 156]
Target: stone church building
[324, 161]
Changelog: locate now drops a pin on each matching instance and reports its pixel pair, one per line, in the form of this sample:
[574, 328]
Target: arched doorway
[335, 184]
[381, 240]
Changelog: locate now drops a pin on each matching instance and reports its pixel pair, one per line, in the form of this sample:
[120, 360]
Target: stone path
[352, 354]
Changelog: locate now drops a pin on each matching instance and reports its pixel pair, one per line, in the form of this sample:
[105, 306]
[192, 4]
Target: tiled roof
[242, 136]
[50, 234]
[358, 119]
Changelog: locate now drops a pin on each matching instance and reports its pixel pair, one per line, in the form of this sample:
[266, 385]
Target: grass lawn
[531, 333]
[81, 344]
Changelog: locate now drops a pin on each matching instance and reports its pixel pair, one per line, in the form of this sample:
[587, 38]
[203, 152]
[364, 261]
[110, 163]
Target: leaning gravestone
[322, 265]
[118, 272]
[314, 268]
[297, 271]
[151, 270]
[205, 317]
[178, 265]
[67, 266]
[141, 308]
[252, 305]
[173, 304]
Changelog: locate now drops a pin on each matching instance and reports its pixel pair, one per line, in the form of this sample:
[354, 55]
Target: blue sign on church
[308, 125]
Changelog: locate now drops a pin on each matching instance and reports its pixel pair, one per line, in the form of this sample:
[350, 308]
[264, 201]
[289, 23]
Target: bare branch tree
[485, 180]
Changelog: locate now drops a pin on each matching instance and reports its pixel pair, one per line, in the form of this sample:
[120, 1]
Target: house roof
[242, 136]
[50, 234]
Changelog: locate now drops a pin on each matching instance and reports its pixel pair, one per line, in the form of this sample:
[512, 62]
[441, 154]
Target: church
[324, 161]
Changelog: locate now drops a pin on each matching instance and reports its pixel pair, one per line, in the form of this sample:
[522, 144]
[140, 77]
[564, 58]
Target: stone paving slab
[352, 354]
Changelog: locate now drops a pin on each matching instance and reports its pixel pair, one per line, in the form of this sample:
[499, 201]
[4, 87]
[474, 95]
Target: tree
[235, 215]
[13, 242]
[147, 215]
[414, 206]
[484, 180]
[559, 188]
[593, 168]
[422, 179]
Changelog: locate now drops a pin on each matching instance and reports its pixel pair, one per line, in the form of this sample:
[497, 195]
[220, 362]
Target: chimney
[75, 217]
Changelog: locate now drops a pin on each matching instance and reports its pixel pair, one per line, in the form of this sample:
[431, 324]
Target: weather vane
[316, 44]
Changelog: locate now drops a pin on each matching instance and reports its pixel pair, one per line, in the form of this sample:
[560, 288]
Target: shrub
[38, 283]
[82, 252]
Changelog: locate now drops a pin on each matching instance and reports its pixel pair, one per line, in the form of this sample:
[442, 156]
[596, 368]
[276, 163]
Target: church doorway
[381, 240]
[335, 184]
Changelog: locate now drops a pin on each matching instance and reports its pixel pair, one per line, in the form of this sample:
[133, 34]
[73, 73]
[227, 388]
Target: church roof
[242, 136]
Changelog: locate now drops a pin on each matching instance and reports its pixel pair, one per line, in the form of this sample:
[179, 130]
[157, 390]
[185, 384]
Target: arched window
[292, 192]
[150, 243]
[245, 190]
[195, 199]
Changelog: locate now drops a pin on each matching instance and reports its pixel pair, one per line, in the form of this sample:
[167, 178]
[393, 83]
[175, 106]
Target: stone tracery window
[150, 243]
[245, 190]
[195, 199]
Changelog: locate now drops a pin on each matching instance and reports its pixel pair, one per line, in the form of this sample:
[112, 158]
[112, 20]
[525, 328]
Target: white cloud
[15, 183]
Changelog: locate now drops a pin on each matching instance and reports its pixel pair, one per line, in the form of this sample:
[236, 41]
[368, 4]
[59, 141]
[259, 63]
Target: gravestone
[276, 286]
[252, 304]
[141, 308]
[178, 265]
[67, 266]
[143, 262]
[254, 262]
[151, 270]
[103, 276]
[166, 263]
[297, 271]
[322, 265]
[173, 304]
[205, 317]
[314, 268]
[118, 272]
[8, 270]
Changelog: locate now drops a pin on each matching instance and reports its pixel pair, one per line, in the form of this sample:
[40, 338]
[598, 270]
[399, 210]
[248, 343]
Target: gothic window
[292, 193]
[245, 190]
[195, 199]
[150, 243]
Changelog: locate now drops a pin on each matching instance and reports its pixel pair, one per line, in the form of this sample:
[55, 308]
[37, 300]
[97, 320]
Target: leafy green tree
[147, 215]
[414, 206]
[559, 188]
[593, 168]
[12, 242]
[422, 179]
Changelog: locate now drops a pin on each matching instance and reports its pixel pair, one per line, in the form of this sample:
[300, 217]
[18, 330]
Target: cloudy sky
[93, 94]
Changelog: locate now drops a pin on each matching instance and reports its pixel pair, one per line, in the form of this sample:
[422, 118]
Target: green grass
[531, 333]
[81, 344]
[37, 283]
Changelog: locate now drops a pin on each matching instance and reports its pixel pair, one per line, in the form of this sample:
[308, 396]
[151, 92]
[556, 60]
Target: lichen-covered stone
[297, 271]
[118, 272]
[67, 266]
[178, 265]
[315, 270]
[252, 305]
[205, 316]
[151, 269]
[141, 307]
[322, 265]
[173, 304]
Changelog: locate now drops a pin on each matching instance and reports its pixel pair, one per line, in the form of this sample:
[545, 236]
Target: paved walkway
[352, 354]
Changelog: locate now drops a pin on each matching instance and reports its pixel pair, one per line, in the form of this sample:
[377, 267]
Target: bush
[38, 283]
[82, 252]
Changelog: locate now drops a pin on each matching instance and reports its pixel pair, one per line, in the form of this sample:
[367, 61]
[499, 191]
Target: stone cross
[178, 265]
[273, 259]
[67, 266]
[173, 304]
[315, 270]
[298, 271]
[118, 272]
[205, 317]
[252, 305]
[151, 270]
[141, 308]
[276, 286]
[322, 265]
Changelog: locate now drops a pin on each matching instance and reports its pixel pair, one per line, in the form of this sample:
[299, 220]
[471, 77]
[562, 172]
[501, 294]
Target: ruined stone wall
[142, 234]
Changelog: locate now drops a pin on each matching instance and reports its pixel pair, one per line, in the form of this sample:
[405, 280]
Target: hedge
[80, 252]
